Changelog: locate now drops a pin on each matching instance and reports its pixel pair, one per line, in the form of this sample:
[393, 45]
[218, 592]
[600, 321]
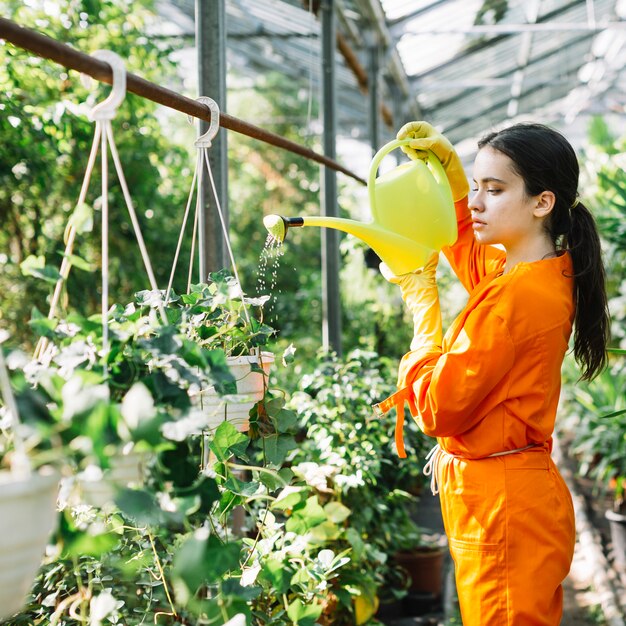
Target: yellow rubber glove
[421, 296]
[427, 138]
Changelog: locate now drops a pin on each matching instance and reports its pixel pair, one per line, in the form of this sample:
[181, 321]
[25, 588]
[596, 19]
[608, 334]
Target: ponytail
[591, 322]
[547, 161]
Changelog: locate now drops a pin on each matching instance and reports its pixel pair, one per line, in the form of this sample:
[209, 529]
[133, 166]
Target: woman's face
[502, 212]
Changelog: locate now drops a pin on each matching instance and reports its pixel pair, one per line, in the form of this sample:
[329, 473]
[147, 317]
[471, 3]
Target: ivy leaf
[337, 512]
[82, 218]
[274, 406]
[356, 541]
[277, 447]
[307, 517]
[204, 560]
[140, 505]
[241, 488]
[304, 614]
[276, 574]
[286, 421]
[227, 441]
[221, 376]
[42, 326]
[79, 262]
[273, 480]
[36, 266]
[289, 497]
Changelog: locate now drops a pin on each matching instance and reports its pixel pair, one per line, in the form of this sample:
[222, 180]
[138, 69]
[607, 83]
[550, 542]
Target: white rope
[432, 468]
[105, 241]
[225, 230]
[181, 234]
[70, 237]
[433, 460]
[133, 217]
[131, 209]
[194, 234]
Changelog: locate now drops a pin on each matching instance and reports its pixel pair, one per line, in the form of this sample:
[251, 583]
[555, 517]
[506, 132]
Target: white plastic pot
[250, 389]
[27, 517]
[127, 470]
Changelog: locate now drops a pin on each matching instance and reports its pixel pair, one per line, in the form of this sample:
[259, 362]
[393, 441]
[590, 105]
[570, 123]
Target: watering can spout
[412, 209]
[402, 255]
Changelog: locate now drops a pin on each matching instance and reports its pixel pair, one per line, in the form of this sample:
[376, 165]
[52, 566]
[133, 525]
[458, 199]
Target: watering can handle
[433, 164]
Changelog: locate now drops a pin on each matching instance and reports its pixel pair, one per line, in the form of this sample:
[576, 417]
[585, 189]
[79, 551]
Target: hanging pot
[251, 387]
[27, 517]
[127, 469]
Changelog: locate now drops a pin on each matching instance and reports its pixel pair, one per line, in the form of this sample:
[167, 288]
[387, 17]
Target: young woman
[489, 389]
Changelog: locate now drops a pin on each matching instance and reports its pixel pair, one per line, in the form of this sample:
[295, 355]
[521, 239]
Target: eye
[494, 192]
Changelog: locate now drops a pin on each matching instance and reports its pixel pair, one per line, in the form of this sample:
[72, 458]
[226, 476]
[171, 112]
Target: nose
[475, 202]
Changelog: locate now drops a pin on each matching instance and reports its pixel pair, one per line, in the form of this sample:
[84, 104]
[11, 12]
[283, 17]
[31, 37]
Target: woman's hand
[427, 138]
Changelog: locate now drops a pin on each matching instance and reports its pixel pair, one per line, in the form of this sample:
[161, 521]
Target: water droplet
[269, 259]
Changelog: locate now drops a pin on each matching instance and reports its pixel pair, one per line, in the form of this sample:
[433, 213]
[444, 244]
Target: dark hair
[547, 162]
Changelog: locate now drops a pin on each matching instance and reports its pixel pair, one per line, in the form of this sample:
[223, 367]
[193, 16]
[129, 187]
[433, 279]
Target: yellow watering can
[412, 209]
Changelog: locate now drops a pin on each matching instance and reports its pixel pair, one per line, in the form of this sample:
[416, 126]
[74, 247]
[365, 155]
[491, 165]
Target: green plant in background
[605, 173]
[351, 452]
[595, 422]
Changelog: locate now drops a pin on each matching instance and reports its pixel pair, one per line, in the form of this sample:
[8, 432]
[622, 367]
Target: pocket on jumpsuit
[481, 581]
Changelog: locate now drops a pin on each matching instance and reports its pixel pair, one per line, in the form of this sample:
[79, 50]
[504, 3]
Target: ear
[544, 204]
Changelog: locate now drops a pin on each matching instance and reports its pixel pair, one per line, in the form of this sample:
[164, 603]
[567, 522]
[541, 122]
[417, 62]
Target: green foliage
[347, 450]
[43, 157]
[605, 174]
[598, 430]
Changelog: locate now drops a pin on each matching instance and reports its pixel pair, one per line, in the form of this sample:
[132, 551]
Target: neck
[527, 253]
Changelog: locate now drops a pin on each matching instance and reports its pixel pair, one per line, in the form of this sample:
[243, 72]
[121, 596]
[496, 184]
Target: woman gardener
[488, 390]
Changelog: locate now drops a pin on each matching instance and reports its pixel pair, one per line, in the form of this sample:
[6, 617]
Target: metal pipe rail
[65, 55]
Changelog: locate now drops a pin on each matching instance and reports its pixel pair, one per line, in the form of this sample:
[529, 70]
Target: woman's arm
[451, 392]
[469, 260]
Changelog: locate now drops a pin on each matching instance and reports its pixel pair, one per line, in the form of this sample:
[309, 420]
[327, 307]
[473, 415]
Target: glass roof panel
[466, 65]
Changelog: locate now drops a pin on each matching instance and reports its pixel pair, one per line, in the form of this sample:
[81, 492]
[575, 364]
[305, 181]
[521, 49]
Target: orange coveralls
[494, 386]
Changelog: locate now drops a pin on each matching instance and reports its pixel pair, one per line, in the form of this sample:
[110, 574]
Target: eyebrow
[491, 179]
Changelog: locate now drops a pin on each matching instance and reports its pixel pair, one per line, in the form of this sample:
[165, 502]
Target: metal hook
[205, 140]
[106, 109]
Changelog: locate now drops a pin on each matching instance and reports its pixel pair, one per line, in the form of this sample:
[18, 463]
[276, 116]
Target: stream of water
[269, 261]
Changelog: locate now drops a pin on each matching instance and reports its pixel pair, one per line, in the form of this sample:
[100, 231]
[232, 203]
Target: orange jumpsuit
[493, 387]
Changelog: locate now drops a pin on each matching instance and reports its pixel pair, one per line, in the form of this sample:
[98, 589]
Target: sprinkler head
[277, 225]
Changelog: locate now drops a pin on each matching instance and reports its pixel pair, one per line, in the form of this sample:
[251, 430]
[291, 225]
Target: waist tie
[433, 458]
[397, 400]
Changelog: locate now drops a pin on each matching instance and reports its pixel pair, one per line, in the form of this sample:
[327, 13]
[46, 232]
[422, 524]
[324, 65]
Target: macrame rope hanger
[20, 461]
[102, 114]
[202, 144]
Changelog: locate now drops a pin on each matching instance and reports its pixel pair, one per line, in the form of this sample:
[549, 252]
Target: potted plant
[217, 315]
[27, 505]
[421, 555]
